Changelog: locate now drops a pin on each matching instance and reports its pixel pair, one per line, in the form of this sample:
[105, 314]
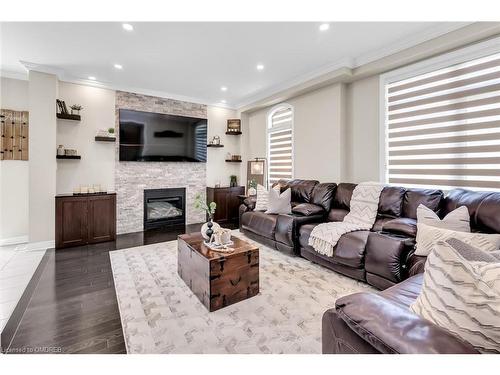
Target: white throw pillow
[460, 293]
[280, 203]
[262, 202]
[458, 219]
[428, 237]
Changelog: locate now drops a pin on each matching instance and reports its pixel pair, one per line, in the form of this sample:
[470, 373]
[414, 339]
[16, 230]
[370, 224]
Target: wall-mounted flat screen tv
[147, 136]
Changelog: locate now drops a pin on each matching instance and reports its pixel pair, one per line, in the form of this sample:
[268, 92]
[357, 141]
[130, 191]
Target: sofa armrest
[386, 255]
[249, 202]
[401, 225]
[416, 264]
[392, 328]
[308, 209]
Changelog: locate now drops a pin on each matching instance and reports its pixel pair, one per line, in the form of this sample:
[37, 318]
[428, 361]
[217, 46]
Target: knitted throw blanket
[364, 207]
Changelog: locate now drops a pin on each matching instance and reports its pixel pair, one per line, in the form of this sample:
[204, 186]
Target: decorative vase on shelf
[60, 150]
[208, 229]
[252, 191]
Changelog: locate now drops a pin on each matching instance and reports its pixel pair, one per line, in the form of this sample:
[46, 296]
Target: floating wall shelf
[233, 161]
[67, 116]
[233, 133]
[68, 157]
[105, 139]
[215, 145]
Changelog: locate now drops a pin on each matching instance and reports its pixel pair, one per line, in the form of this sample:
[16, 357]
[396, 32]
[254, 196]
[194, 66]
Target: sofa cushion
[337, 214]
[402, 225]
[301, 189]
[379, 223]
[260, 223]
[350, 250]
[430, 198]
[391, 201]
[323, 195]
[308, 209]
[343, 196]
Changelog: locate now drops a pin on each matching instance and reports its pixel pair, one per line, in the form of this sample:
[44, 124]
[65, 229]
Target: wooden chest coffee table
[218, 279]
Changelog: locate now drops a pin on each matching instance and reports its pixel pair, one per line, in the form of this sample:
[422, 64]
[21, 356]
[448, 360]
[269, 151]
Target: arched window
[280, 143]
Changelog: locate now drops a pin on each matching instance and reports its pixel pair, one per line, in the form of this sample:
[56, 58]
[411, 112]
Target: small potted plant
[252, 187]
[111, 132]
[75, 109]
[208, 228]
[233, 181]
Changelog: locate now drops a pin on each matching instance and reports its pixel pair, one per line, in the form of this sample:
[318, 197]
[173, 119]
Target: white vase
[204, 228]
[252, 191]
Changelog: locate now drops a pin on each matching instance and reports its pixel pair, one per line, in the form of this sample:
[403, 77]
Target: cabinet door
[71, 221]
[220, 198]
[234, 203]
[101, 218]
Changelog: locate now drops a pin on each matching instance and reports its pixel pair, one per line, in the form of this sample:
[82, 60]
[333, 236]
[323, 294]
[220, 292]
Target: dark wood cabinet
[227, 202]
[82, 220]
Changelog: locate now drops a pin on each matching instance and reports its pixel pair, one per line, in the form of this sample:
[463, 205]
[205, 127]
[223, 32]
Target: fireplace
[164, 207]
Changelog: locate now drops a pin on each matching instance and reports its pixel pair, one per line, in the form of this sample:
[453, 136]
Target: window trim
[475, 51]
[269, 130]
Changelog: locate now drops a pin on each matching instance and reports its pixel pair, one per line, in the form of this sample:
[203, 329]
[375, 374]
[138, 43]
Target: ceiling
[192, 61]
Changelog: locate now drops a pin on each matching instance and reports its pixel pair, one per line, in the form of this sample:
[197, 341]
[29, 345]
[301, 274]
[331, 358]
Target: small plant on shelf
[233, 181]
[76, 108]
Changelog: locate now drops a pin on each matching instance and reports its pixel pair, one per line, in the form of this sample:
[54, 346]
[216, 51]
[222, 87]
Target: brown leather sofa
[378, 257]
[381, 322]
[311, 202]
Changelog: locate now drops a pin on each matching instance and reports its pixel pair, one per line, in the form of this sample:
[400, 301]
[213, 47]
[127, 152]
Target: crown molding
[14, 75]
[324, 74]
[424, 36]
[64, 77]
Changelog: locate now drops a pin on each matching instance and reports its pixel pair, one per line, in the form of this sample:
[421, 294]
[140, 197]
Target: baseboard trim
[42, 245]
[15, 318]
[13, 240]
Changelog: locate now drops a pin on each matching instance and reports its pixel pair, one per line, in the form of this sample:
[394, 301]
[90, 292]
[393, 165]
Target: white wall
[218, 171]
[97, 164]
[319, 132]
[362, 151]
[42, 154]
[13, 173]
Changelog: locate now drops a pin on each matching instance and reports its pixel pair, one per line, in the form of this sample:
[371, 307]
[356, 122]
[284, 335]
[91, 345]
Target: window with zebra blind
[442, 127]
[280, 143]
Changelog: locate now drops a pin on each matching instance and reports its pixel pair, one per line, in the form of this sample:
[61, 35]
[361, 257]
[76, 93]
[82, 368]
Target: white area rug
[160, 314]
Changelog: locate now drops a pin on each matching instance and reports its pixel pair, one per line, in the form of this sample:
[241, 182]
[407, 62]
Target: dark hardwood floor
[74, 308]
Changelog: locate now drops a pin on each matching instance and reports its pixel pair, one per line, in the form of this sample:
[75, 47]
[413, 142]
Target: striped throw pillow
[428, 236]
[262, 202]
[461, 293]
[458, 219]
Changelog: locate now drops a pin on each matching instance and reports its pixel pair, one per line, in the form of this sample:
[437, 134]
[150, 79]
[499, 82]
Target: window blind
[280, 145]
[443, 127]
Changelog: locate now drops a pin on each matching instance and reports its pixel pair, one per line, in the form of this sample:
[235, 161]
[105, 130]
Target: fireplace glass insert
[164, 207]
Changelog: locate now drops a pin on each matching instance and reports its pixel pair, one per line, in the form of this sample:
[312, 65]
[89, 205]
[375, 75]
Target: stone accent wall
[131, 178]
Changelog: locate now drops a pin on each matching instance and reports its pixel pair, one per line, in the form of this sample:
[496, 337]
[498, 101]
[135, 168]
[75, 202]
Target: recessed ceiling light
[223, 101]
[127, 26]
[118, 66]
[260, 67]
[324, 26]
[223, 88]
[92, 78]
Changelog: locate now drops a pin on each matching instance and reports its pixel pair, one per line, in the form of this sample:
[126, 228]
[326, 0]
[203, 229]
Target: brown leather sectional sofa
[383, 257]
